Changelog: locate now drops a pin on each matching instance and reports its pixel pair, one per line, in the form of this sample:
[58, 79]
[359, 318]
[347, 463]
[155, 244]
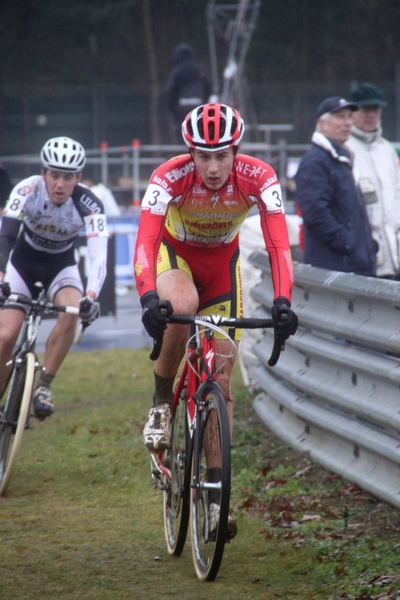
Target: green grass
[81, 519]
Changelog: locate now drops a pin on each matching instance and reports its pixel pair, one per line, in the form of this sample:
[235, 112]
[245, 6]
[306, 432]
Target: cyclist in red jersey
[187, 249]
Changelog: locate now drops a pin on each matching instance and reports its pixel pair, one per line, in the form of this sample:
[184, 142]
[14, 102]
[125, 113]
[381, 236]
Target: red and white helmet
[213, 127]
[63, 154]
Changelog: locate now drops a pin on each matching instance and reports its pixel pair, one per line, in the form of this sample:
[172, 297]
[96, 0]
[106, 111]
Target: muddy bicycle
[200, 434]
[16, 401]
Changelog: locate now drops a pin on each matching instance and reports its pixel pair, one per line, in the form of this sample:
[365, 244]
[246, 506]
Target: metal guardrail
[127, 168]
[335, 392]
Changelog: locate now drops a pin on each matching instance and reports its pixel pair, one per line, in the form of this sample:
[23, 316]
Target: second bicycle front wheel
[211, 483]
[176, 495]
[14, 417]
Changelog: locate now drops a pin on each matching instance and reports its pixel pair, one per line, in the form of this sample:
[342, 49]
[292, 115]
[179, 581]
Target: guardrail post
[136, 172]
[104, 163]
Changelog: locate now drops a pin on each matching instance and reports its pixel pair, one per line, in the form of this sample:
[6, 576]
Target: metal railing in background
[335, 392]
[126, 169]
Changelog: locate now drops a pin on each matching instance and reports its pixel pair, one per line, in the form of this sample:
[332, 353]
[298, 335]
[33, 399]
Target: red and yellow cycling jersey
[177, 205]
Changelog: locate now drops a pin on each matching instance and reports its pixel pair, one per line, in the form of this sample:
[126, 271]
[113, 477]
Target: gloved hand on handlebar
[284, 319]
[89, 310]
[153, 320]
[5, 290]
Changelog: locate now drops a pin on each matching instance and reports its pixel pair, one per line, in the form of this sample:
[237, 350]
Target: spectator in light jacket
[337, 234]
[376, 170]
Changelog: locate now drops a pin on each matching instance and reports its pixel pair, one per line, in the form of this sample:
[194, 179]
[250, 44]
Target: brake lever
[279, 344]
[157, 343]
[278, 347]
[80, 333]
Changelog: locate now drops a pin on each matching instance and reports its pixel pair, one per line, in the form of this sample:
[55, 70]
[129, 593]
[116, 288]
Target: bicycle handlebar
[43, 304]
[238, 323]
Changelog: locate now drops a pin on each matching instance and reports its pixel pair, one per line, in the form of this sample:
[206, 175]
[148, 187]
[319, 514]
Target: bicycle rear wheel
[14, 418]
[176, 496]
[211, 456]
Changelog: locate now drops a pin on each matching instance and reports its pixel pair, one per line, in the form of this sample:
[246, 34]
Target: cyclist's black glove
[284, 319]
[89, 310]
[5, 290]
[154, 322]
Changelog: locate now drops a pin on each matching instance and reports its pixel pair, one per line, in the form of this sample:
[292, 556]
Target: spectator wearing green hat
[376, 170]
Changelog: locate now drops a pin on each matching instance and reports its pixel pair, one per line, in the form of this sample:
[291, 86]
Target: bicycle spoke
[210, 492]
[176, 496]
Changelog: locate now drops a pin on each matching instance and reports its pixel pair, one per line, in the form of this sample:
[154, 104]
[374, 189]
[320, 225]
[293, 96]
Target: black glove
[5, 290]
[153, 320]
[89, 310]
[284, 319]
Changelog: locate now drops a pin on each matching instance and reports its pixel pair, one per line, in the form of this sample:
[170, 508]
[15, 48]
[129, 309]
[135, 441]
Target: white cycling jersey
[52, 229]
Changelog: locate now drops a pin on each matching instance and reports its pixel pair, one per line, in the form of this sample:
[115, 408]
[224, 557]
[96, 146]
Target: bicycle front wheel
[176, 495]
[14, 418]
[211, 483]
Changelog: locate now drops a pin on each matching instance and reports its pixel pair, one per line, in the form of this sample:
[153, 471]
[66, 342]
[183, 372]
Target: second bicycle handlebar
[43, 304]
[218, 320]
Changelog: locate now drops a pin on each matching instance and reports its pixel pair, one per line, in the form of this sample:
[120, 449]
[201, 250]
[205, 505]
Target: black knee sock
[163, 390]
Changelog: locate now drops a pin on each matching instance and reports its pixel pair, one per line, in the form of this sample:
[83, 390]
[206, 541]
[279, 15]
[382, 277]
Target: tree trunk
[153, 72]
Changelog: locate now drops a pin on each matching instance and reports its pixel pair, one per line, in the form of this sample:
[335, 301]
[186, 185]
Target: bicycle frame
[26, 342]
[27, 336]
[198, 368]
[195, 471]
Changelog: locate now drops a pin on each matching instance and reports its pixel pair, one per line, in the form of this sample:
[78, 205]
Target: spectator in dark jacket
[337, 234]
[188, 86]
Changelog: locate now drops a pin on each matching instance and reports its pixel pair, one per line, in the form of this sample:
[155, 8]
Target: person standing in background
[337, 234]
[376, 170]
[188, 86]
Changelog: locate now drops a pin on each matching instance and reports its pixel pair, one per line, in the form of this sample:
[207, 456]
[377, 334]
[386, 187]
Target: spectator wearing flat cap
[337, 234]
[376, 170]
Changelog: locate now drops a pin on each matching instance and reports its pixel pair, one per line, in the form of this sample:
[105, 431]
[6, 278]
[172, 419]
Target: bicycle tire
[176, 496]
[212, 422]
[15, 417]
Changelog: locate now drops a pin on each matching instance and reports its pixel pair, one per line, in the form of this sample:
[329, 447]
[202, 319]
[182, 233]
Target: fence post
[136, 173]
[282, 166]
[125, 161]
[104, 163]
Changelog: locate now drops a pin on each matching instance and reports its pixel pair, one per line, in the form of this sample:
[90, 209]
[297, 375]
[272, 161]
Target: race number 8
[15, 207]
